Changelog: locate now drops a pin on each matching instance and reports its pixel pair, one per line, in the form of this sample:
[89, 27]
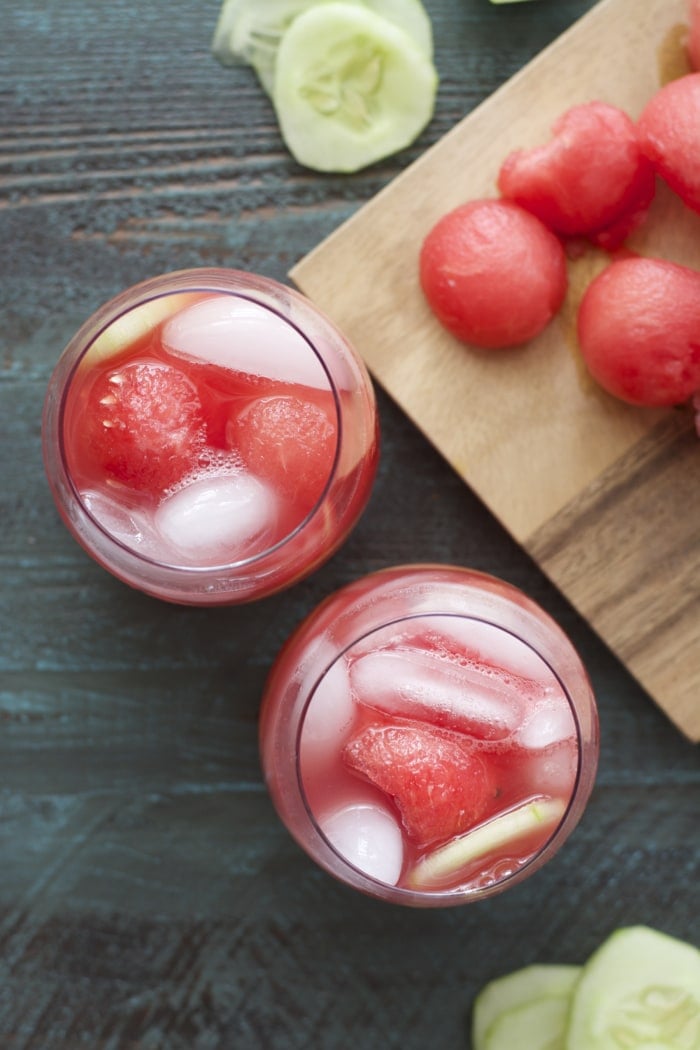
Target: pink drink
[429, 735]
[209, 437]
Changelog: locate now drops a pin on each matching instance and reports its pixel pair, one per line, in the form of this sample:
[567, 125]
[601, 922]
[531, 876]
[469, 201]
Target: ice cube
[417, 683]
[219, 519]
[328, 718]
[491, 645]
[129, 525]
[550, 722]
[235, 333]
[551, 771]
[369, 838]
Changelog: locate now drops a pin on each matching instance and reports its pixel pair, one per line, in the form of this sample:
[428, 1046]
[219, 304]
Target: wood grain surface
[149, 897]
[528, 429]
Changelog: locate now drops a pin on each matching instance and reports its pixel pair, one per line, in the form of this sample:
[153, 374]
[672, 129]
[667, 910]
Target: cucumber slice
[641, 988]
[350, 88]
[516, 824]
[539, 1025]
[517, 989]
[249, 31]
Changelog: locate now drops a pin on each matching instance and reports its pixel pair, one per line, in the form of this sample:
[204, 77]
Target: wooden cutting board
[604, 496]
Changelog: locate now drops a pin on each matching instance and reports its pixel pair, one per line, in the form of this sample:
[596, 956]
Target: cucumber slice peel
[518, 989]
[641, 988]
[350, 88]
[514, 825]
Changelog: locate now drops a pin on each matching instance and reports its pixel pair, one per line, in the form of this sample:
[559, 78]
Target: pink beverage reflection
[429, 735]
[210, 437]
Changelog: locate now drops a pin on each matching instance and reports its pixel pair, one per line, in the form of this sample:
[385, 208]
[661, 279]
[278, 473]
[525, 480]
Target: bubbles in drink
[234, 333]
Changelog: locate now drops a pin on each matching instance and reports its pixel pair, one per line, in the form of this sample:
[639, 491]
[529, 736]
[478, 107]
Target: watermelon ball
[289, 440]
[591, 179]
[492, 273]
[144, 425]
[669, 135]
[639, 331]
[440, 787]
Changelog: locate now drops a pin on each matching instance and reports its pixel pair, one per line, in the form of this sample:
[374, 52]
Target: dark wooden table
[149, 897]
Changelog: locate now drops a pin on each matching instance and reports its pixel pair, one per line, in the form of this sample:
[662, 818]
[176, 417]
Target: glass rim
[404, 895]
[149, 291]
